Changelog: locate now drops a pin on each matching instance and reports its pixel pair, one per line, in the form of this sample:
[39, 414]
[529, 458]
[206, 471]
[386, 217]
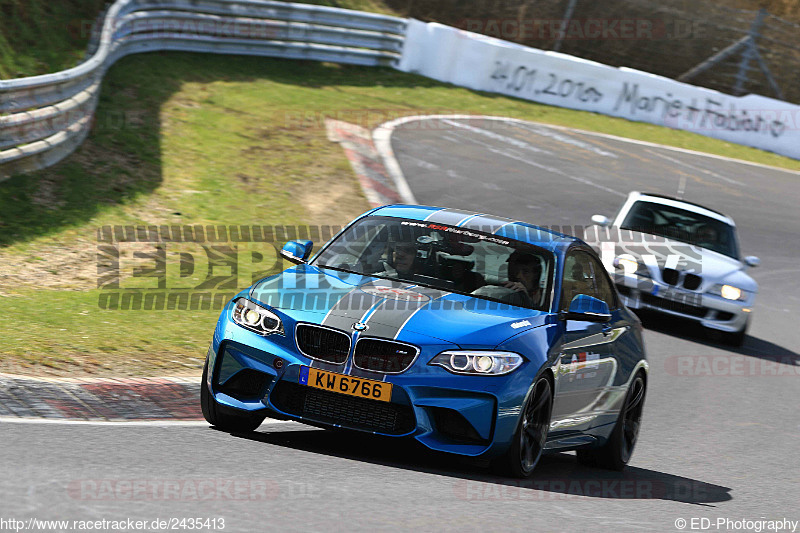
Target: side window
[605, 291]
[577, 278]
[583, 274]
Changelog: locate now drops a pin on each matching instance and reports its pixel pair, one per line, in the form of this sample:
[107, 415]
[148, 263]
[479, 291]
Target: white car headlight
[729, 292]
[252, 316]
[478, 362]
[630, 265]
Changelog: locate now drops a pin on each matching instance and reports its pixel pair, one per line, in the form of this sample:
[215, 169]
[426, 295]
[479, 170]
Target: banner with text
[487, 64]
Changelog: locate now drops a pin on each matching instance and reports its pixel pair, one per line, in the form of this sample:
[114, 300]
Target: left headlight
[478, 362]
[729, 292]
[252, 316]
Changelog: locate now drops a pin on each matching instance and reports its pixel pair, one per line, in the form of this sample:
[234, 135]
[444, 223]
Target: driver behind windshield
[401, 260]
[706, 236]
[524, 275]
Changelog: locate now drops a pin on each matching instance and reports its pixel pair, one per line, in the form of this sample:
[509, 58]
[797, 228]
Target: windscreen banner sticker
[394, 293]
[457, 231]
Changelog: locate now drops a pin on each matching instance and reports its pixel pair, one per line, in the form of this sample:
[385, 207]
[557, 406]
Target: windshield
[682, 225]
[445, 257]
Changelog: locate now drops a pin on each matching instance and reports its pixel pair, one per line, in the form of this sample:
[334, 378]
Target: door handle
[607, 330]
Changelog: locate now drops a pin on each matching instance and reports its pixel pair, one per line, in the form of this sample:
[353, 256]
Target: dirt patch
[337, 202]
[79, 365]
[51, 266]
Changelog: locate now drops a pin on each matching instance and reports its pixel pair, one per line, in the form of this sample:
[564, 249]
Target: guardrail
[45, 118]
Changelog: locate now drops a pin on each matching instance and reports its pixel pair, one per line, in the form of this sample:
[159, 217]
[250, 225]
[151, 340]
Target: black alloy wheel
[529, 440]
[617, 451]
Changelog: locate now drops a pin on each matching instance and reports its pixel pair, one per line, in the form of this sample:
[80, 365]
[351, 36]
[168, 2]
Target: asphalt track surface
[719, 440]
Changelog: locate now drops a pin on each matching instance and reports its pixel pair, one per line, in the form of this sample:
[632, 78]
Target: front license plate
[352, 386]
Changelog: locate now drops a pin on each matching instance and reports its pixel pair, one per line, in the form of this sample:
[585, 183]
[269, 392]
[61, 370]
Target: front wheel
[617, 451]
[733, 338]
[531, 435]
[217, 417]
[736, 338]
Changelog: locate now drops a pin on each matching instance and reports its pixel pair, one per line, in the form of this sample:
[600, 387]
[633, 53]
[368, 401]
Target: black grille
[670, 276]
[692, 281]
[247, 383]
[453, 425]
[324, 344]
[678, 307]
[384, 356]
[347, 411]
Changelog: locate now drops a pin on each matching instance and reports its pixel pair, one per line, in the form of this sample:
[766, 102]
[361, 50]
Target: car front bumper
[466, 415]
[711, 311]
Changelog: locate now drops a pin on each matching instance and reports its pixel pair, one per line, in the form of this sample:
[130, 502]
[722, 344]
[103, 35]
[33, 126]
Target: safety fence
[45, 118]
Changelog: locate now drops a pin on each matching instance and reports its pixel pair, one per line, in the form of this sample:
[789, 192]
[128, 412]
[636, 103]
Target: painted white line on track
[121, 423]
[544, 132]
[519, 157]
[696, 169]
[382, 137]
[555, 171]
[497, 137]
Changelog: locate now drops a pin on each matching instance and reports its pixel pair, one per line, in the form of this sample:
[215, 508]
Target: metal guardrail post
[564, 24]
[747, 45]
[750, 52]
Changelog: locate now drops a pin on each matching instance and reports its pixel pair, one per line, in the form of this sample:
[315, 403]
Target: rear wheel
[617, 451]
[217, 416]
[529, 439]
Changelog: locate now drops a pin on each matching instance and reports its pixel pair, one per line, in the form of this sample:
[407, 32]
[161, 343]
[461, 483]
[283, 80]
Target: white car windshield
[682, 225]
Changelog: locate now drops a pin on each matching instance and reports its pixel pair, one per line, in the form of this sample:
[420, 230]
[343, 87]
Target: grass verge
[195, 139]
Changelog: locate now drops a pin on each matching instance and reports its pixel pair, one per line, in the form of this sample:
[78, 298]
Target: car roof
[502, 227]
[684, 204]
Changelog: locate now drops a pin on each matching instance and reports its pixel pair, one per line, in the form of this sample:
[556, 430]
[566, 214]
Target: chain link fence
[666, 37]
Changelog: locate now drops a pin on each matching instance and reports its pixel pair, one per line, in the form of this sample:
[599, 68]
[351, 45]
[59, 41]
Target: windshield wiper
[339, 269]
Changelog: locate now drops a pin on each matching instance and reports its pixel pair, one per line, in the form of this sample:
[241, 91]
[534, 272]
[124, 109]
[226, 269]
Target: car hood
[392, 309]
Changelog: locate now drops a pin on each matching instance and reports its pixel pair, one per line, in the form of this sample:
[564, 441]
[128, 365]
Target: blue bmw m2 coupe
[473, 334]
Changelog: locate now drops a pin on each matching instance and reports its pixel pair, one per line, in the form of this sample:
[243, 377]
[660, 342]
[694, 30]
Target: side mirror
[297, 252]
[587, 309]
[601, 220]
[752, 261]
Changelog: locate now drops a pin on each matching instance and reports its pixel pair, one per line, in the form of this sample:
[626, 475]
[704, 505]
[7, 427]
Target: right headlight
[729, 292]
[252, 316]
[478, 362]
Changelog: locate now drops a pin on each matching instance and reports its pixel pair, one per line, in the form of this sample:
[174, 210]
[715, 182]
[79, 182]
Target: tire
[617, 451]
[529, 439]
[736, 338]
[217, 416]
